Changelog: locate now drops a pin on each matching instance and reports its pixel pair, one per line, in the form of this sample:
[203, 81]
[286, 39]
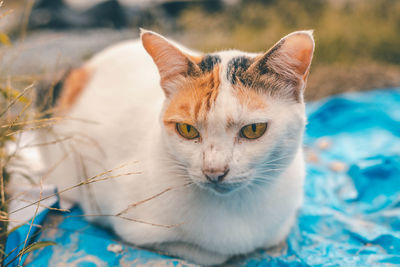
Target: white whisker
[277, 159]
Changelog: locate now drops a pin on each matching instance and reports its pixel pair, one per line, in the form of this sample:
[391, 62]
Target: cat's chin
[222, 189]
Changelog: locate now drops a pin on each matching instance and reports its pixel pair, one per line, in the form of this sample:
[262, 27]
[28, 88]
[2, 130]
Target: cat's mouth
[222, 188]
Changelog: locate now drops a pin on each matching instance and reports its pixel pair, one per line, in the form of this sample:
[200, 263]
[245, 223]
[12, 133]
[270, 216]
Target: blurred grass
[13, 109]
[347, 32]
[357, 42]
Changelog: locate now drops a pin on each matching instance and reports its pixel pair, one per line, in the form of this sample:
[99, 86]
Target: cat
[208, 146]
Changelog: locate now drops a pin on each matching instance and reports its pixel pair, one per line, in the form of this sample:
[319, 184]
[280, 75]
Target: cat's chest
[242, 229]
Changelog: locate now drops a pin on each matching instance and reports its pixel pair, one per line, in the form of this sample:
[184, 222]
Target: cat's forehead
[214, 92]
[231, 63]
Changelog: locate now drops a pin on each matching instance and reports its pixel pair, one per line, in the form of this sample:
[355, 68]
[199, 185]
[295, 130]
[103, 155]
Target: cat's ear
[290, 58]
[292, 53]
[171, 61]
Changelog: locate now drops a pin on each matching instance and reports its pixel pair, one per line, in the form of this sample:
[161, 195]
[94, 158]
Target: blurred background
[357, 41]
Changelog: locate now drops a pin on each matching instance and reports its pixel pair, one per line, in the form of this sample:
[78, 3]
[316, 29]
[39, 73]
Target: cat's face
[233, 119]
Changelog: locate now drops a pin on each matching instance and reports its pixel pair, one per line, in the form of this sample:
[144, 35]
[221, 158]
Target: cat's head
[233, 119]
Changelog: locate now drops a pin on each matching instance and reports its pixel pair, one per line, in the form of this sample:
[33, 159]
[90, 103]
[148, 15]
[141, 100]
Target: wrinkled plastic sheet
[351, 211]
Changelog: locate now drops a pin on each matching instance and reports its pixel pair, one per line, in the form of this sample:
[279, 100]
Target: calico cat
[210, 144]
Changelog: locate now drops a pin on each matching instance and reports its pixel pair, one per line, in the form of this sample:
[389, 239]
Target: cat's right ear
[290, 59]
[171, 61]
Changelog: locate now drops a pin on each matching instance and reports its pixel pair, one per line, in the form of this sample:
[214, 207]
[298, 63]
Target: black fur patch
[263, 63]
[236, 68]
[208, 62]
[49, 91]
[193, 69]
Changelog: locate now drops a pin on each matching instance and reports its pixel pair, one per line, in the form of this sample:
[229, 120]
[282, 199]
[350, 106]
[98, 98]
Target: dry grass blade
[20, 222]
[48, 143]
[99, 180]
[20, 114]
[37, 245]
[3, 208]
[15, 100]
[93, 179]
[150, 198]
[17, 246]
[23, 123]
[44, 206]
[152, 224]
[2, 183]
[31, 224]
[30, 248]
[125, 218]
[24, 25]
[53, 119]
[30, 129]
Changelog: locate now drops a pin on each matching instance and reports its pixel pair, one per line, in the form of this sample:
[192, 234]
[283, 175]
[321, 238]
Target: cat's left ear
[172, 62]
[290, 58]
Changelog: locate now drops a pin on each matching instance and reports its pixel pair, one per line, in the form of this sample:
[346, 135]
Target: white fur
[125, 101]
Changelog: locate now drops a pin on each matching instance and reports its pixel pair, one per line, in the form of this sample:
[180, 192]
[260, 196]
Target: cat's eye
[253, 131]
[187, 131]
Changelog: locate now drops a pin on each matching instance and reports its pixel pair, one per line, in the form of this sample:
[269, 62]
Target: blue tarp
[351, 211]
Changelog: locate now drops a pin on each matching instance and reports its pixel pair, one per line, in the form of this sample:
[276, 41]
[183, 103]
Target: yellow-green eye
[187, 131]
[253, 131]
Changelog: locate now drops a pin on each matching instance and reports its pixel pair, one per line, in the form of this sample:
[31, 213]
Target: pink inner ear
[169, 59]
[301, 47]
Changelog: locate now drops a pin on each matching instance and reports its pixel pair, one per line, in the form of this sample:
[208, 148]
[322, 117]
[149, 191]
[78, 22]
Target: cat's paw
[191, 253]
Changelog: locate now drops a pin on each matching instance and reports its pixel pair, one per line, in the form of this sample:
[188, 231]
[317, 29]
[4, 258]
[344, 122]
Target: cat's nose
[215, 175]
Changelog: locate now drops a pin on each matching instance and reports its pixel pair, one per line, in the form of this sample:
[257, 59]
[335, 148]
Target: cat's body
[130, 124]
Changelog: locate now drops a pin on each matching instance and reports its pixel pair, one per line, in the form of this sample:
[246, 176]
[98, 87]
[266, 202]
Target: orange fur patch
[194, 100]
[73, 87]
[194, 59]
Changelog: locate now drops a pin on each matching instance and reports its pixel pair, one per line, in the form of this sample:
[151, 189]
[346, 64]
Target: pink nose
[215, 175]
